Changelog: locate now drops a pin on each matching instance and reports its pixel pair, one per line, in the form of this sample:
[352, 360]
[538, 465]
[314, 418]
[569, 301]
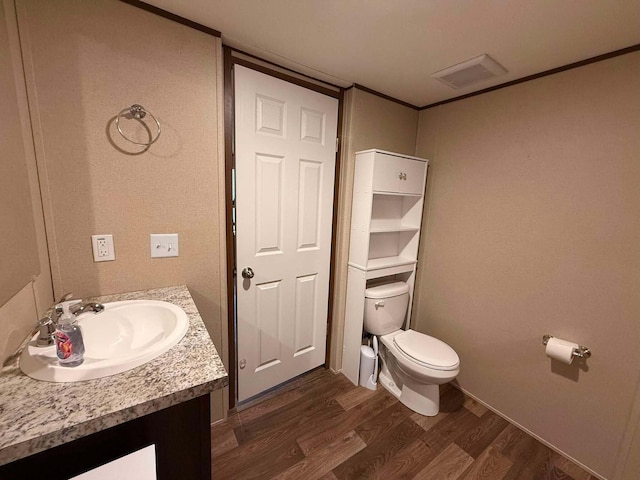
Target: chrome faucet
[47, 324]
[80, 307]
[47, 328]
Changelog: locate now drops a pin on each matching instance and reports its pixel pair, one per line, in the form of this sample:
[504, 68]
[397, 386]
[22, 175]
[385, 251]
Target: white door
[285, 138]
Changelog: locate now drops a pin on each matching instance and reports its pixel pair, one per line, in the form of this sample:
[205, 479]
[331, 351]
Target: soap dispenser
[69, 343]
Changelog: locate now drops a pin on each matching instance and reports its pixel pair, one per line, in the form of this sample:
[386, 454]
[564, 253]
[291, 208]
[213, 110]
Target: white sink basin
[125, 335]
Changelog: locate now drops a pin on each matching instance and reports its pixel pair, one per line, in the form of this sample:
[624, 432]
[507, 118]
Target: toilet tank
[385, 307]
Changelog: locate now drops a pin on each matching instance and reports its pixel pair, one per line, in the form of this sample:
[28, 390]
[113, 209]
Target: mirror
[18, 247]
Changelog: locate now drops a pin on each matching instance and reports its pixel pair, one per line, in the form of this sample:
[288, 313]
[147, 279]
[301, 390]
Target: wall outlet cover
[103, 249]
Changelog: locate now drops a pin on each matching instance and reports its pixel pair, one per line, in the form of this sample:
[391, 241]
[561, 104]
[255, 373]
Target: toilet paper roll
[560, 350]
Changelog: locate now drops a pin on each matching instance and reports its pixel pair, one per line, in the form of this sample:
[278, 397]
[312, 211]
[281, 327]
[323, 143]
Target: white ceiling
[393, 46]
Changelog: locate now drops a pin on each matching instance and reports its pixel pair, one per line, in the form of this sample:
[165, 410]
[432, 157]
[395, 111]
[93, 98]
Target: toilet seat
[426, 351]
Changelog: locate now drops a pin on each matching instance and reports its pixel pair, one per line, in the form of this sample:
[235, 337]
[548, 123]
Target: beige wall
[369, 122]
[19, 311]
[84, 62]
[532, 227]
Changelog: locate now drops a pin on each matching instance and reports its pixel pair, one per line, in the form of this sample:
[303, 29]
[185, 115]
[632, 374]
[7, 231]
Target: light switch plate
[103, 250]
[164, 245]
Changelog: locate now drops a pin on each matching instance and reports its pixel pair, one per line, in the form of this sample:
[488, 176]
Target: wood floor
[320, 426]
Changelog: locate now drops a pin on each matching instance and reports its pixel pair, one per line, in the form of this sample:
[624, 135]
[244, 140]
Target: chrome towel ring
[137, 112]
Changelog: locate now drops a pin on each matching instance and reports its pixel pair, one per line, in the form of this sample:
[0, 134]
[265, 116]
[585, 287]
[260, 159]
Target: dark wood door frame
[229, 149]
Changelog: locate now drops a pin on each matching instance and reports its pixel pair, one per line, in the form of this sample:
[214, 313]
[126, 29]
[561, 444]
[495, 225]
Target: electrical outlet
[164, 245]
[103, 250]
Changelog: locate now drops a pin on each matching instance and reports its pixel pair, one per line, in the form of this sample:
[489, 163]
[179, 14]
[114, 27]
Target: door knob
[247, 272]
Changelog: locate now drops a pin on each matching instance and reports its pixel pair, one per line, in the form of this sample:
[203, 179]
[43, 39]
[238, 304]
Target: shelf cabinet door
[398, 175]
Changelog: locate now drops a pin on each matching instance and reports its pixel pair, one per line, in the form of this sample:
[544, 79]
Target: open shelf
[395, 212]
[392, 229]
[385, 262]
[395, 243]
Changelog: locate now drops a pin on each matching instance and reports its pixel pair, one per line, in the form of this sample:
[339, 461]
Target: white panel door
[285, 138]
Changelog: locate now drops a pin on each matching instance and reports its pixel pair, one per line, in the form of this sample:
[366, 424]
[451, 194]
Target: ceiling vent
[470, 72]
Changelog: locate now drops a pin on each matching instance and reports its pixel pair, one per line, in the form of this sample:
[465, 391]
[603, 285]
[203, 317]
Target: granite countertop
[37, 415]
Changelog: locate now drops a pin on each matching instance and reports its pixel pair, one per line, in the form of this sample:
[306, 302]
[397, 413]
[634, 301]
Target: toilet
[413, 364]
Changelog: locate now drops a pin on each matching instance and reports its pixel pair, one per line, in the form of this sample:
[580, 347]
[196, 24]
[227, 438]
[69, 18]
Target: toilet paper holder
[580, 352]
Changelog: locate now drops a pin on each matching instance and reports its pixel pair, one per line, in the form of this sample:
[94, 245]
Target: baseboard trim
[528, 432]
[218, 422]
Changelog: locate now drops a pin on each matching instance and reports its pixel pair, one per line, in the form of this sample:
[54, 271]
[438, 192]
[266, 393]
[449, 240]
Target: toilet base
[422, 399]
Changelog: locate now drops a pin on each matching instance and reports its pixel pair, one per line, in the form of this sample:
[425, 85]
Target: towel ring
[138, 112]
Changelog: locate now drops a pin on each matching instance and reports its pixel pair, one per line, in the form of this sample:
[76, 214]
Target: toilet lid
[427, 351]
[387, 290]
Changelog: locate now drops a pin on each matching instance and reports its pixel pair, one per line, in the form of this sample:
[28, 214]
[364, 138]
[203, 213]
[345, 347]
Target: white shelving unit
[386, 216]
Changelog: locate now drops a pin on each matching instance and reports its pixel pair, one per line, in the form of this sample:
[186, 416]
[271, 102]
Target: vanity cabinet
[57, 431]
[180, 436]
[386, 216]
